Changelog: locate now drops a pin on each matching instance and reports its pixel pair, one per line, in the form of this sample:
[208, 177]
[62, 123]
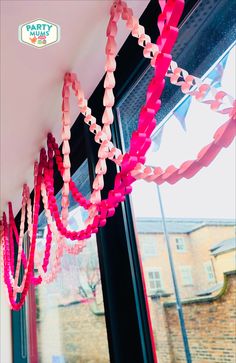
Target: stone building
[202, 251]
[71, 323]
[204, 255]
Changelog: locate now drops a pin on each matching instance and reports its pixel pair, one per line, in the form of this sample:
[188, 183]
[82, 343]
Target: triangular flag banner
[181, 112]
[217, 73]
[156, 140]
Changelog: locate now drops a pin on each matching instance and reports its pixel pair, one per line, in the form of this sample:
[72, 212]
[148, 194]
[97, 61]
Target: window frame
[208, 264]
[160, 279]
[183, 269]
[184, 249]
[148, 245]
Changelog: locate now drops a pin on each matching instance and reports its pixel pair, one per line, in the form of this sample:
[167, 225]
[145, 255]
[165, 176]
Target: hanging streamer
[132, 164]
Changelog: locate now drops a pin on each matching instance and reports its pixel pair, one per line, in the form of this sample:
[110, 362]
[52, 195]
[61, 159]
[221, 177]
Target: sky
[211, 192]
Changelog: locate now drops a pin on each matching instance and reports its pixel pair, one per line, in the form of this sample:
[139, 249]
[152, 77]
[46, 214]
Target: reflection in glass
[70, 312]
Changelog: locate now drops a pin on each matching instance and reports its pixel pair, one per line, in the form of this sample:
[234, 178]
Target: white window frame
[210, 271]
[189, 280]
[154, 270]
[149, 248]
[182, 244]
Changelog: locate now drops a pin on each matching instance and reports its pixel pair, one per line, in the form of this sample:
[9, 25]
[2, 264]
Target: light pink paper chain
[56, 266]
[223, 137]
[219, 101]
[99, 210]
[7, 230]
[140, 140]
[103, 136]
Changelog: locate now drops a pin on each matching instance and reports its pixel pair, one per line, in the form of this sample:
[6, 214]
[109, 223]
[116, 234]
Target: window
[186, 275]
[149, 247]
[120, 270]
[180, 244]
[209, 271]
[154, 280]
[190, 204]
[40, 233]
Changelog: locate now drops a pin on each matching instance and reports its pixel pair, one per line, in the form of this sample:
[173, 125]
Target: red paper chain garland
[29, 269]
[131, 164]
[123, 180]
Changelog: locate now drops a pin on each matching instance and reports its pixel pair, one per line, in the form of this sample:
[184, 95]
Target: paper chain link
[131, 164]
[218, 101]
[44, 172]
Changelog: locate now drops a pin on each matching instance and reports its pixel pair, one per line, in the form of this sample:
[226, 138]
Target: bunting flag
[156, 139]
[215, 76]
[217, 73]
[181, 112]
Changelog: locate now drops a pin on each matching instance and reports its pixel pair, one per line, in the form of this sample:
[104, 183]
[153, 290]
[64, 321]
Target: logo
[39, 33]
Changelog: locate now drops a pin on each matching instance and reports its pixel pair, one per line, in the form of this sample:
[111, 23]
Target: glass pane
[206, 34]
[70, 313]
[200, 212]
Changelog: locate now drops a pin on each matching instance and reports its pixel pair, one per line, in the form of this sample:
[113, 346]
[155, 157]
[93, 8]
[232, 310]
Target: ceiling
[31, 79]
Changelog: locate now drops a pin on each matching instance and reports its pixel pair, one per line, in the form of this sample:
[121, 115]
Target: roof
[223, 246]
[178, 225]
[210, 290]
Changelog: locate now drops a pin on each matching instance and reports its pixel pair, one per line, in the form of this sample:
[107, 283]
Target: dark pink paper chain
[140, 140]
[123, 180]
[29, 269]
[131, 163]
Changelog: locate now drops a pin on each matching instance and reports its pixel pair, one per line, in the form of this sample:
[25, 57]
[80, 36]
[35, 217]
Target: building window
[186, 275]
[149, 248]
[155, 280]
[40, 233]
[180, 244]
[209, 271]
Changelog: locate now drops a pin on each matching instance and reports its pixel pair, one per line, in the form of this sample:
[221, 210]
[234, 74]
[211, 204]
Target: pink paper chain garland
[123, 180]
[223, 137]
[140, 140]
[131, 164]
[29, 268]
